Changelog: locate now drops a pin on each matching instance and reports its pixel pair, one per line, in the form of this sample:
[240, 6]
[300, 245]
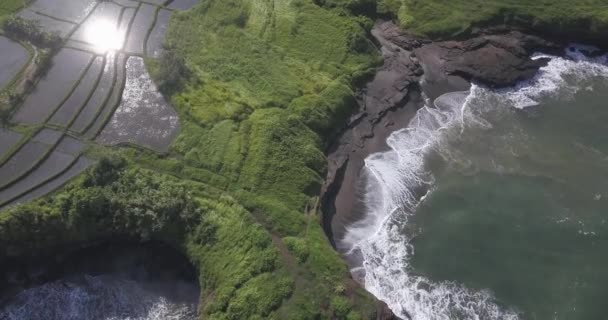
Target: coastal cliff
[280, 105]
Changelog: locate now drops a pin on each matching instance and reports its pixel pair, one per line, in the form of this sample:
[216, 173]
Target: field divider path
[71, 91]
[115, 98]
[24, 140]
[150, 29]
[125, 6]
[66, 113]
[86, 107]
[78, 25]
[77, 113]
[54, 18]
[34, 166]
[100, 97]
[106, 98]
[32, 55]
[57, 182]
[45, 181]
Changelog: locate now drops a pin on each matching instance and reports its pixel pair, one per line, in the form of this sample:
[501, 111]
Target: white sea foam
[96, 297]
[561, 75]
[394, 177]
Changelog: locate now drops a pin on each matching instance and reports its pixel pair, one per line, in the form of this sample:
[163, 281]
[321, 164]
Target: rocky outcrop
[367, 130]
[494, 60]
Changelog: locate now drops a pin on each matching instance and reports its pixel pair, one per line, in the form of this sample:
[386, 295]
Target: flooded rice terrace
[97, 90]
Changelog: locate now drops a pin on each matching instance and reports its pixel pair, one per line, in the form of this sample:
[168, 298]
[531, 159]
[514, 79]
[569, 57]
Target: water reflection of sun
[104, 35]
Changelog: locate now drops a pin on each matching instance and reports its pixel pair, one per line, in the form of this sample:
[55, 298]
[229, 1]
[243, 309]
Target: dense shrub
[586, 20]
[172, 71]
[111, 200]
[270, 84]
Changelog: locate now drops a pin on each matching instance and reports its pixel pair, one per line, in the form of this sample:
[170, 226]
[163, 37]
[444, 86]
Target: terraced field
[96, 91]
[14, 59]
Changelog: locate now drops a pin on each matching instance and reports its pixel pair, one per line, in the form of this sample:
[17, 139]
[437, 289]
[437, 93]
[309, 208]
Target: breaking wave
[395, 179]
[99, 297]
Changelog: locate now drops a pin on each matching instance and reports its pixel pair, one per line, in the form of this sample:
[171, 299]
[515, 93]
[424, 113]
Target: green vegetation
[587, 19]
[8, 7]
[266, 83]
[109, 201]
[260, 87]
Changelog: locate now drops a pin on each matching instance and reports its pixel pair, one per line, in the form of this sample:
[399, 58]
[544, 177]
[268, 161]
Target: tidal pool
[13, 59]
[514, 223]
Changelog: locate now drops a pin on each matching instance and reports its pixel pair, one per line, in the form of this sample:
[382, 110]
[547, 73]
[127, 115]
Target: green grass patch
[267, 83]
[8, 7]
[442, 18]
[260, 87]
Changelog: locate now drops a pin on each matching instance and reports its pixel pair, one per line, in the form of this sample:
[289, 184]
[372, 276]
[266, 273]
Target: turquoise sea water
[515, 221]
[527, 216]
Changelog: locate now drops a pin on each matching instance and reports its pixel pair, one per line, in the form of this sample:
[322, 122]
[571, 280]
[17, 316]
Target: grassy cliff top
[8, 7]
[442, 18]
[260, 87]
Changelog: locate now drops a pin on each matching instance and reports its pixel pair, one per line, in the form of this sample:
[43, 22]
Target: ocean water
[113, 281]
[101, 297]
[493, 204]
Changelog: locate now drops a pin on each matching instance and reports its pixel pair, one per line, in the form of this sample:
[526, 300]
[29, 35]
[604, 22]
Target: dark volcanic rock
[386, 91]
[494, 60]
[366, 132]
[383, 312]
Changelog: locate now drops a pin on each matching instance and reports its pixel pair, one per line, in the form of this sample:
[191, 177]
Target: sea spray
[104, 297]
[394, 179]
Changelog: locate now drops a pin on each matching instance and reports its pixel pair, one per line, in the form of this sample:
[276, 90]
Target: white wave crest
[562, 75]
[395, 177]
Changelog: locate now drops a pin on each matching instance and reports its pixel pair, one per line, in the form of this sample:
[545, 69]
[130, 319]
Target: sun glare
[104, 35]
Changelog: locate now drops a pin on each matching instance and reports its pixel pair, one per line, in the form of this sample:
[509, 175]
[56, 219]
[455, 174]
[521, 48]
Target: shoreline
[414, 72]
